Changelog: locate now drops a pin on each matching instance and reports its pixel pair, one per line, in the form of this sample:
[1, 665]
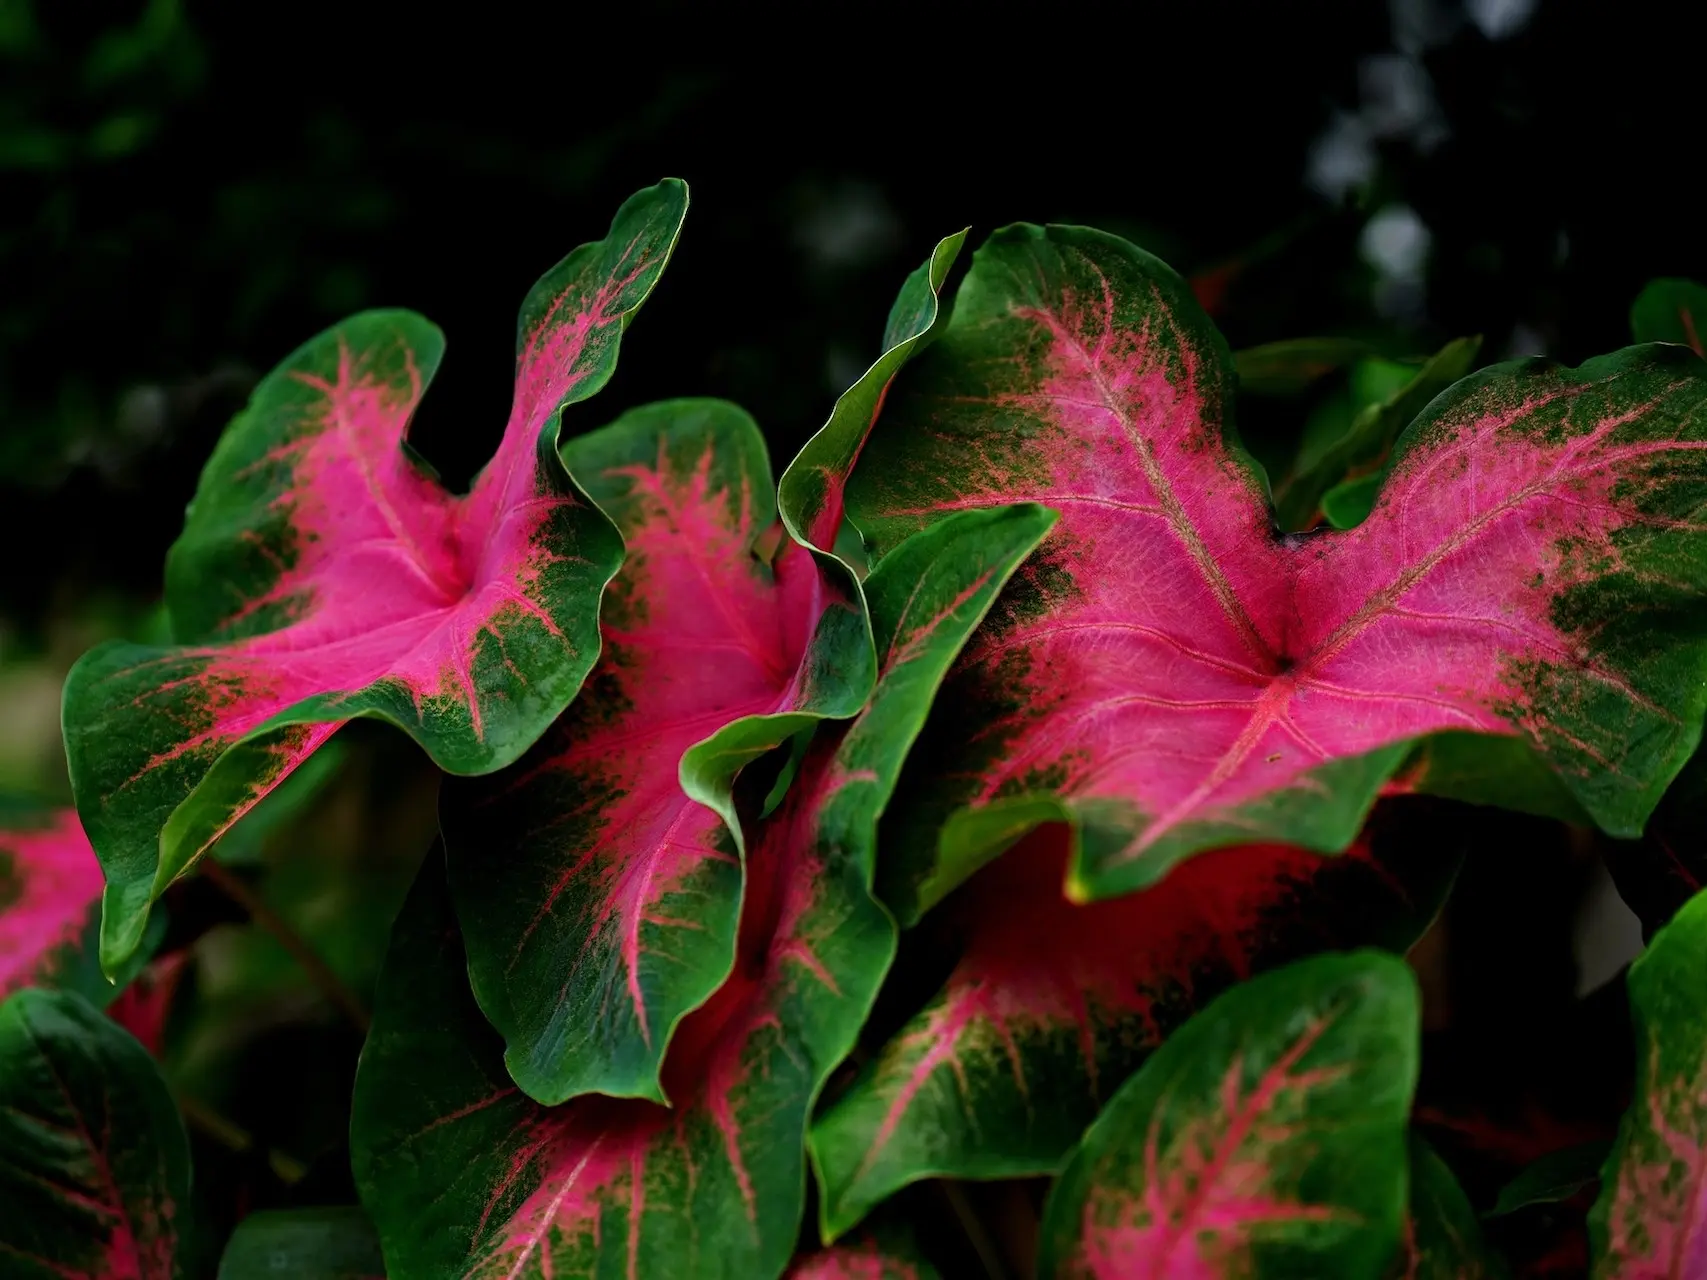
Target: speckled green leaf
[1051, 1005]
[94, 1162]
[598, 880]
[715, 1185]
[1265, 1140]
[1170, 674]
[324, 573]
[1650, 1222]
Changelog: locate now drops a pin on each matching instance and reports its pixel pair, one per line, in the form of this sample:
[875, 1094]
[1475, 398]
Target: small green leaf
[304, 1244]
[1650, 1220]
[1288, 367]
[1558, 1175]
[1266, 1139]
[1385, 396]
[1671, 311]
[94, 1162]
[1442, 1240]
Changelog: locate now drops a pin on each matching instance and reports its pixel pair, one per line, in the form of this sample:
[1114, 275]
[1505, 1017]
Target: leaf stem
[234, 1137]
[319, 972]
[988, 1254]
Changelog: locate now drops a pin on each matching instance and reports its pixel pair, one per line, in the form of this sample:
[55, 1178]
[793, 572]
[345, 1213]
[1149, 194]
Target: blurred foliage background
[191, 189]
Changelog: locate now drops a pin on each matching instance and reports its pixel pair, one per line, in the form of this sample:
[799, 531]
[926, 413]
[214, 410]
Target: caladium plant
[1518, 619]
[716, 1182]
[50, 905]
[325, 573]
[1051, 1005]
[1011, 792]
[1650, 1222]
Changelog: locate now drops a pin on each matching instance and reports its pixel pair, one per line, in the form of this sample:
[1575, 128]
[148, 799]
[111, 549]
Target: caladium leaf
[1442, 1238]
[715, 1185]
[1052, 1005]
[812, 488]
[1265, 1138]
[1671, 311]
[598, 895]
[873, 1257]
[94, 1162]
[1388, 396]
[50, 906]
[324, 573]
[1650, 1222]
[1171, 675]
[303, 1244]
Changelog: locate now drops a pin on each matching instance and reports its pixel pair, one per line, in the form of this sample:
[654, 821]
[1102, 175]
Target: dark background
[193, 189]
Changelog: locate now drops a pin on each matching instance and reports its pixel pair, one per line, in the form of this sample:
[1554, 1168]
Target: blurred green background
[188, 190]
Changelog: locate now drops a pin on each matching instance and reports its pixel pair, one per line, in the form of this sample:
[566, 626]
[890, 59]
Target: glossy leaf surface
[324, 573]
[1052, 1005]
[1171, 675]
[50, 907]
[1650, 1222]
[94, 1164]
[715, 1185]
[597, 885]
[303, 1244]
[1671, 311]
[1266, 1138]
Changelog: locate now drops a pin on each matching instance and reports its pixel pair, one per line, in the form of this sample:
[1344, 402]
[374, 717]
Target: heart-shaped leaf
[303, 1244]
[1650, 1222]
[1442, 1238]
[324, 573]
[1671, 311]
[94, 1163]
[1170, 674]
[714, 1185]
[1265, 1138]
[599, 881]
[1052, 1005]
[50, 907]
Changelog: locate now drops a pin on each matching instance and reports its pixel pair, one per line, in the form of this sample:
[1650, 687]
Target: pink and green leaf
[812, 487]
[50, 907]
[873, 1256]
[1650, 1222]
[1051, 1005]
[324, 573]
[715, 1184]
[1671, 311]
[1265, 1138]
[1171, 674]
[94, 1162]
[598, 881]
[1442, 1237]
